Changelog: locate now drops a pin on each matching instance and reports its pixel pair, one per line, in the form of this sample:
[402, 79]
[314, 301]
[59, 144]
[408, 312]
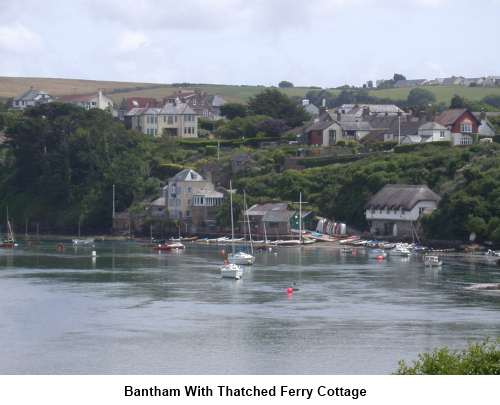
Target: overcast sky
[309, 42]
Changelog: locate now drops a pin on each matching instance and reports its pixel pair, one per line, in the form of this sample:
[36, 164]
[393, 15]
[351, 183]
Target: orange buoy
[380, 257]
[289, 290]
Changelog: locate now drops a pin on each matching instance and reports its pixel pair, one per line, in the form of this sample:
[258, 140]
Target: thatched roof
[395, 196]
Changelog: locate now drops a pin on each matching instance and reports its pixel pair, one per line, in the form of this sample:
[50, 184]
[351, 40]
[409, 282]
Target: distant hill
[13, 86]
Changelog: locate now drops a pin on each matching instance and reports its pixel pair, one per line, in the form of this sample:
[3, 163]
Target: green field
[13, 86]
[442, 93]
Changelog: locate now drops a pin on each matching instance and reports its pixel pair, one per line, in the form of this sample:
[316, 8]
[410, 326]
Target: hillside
[13, 86]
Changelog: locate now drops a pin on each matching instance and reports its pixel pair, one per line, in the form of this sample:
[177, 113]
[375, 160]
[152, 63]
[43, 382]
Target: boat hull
[232, 271]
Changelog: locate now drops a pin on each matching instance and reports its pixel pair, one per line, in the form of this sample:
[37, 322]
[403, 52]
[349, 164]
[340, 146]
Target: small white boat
[432, 261]
[83, 242]
[231, 270]
[241, 258]
[400, 250]
[492, 253]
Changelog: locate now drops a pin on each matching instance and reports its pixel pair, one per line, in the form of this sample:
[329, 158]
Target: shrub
[478, 358]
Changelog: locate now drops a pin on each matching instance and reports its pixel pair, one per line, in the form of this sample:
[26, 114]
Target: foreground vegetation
[481, 358]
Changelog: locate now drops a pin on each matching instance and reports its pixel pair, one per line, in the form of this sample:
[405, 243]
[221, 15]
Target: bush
[481, 358]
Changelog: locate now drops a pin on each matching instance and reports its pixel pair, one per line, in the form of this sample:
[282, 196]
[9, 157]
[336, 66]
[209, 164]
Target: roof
[278, 216]
[448, 117]
[138, 102]
[431, 126]
[187, 175]
[402, 196]
[176, 108]
[159, 202]
[209, 193]
[374, 108]
[31, 94]
[262, 209]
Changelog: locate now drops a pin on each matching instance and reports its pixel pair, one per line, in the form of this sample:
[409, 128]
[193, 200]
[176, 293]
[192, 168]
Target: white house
[31, 98]
[89, 101]
[397, 208]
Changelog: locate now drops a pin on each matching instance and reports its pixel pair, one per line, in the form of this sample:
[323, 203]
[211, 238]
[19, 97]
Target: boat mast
[232, 219]
[248, 220]
[300, 217]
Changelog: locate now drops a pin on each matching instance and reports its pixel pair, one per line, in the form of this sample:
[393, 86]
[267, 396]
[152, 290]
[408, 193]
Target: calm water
[134, 311]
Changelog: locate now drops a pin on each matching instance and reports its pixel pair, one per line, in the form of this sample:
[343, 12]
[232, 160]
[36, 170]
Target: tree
[420, 98]
[369, 84]
[275, 104]
[285, 84]
[233, 110]
[492, 100]
[241, 127]
[66, 160]
[481, 358]
[397, 77]
[457, 102]
[272, 127]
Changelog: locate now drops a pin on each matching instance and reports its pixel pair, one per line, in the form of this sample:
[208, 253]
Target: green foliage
[493, 100]
[285, 84]
[241, 127]
[223, 216]
[275, 104]
[233, 110]
[64, 163]
[420, 98]
[481, 358]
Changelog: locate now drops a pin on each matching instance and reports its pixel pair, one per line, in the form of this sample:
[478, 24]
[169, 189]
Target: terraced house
[174, 119]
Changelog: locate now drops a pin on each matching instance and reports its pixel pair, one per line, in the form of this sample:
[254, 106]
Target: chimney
[366, 112]
[339, 116]
[323, 107]
[305, 102]
[421, 115]
[482, 115]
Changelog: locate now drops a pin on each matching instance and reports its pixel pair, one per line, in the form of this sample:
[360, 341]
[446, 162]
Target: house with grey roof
[31, 98]
[185, 191]
[396, 210]
[175, 119]
[203, 104]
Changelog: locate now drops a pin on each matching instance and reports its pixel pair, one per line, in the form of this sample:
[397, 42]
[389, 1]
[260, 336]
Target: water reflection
[131, 310]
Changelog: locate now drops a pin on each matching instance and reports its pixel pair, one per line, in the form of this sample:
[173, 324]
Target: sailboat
[231, 270]
[243, 257]
[9, 242]
[301, 240]
[79, 241]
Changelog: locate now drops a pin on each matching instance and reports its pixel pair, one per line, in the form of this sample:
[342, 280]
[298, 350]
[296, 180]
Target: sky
[324, 43]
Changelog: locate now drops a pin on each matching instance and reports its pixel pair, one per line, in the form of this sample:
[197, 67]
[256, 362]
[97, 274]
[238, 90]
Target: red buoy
[380, 257]
[289, 290]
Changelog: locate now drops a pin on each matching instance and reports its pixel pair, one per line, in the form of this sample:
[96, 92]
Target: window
[333, 136]
[441, 134]
[466, 127]
[466, 140]
[421, 210]
[170, 120]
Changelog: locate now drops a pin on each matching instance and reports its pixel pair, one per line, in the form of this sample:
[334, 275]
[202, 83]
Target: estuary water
[134, 311]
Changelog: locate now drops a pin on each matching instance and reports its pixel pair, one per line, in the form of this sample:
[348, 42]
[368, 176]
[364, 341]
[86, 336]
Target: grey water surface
[134, 311]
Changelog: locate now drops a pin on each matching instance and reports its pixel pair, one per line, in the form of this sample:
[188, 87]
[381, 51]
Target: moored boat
[231, 270]
[432, 261]
[83, 242]
[169, 246]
